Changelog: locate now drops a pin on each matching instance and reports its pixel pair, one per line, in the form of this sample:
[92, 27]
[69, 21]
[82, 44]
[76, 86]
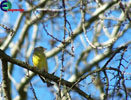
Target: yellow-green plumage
[39, 59]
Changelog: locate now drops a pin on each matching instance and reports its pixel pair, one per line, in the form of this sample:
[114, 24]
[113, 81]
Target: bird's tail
[46, 81]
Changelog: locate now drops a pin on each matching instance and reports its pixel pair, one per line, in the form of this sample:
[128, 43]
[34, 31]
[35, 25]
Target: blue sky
[42, 92]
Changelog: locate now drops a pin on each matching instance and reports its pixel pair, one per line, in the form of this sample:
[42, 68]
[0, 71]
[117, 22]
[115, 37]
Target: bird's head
[39, 49]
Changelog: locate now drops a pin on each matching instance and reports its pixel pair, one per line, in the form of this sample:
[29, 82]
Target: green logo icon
[5, 5]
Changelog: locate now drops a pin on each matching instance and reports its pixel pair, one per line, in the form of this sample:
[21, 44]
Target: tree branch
[5, 82]
[44, 74]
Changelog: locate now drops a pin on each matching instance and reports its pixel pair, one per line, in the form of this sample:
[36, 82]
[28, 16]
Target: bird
[39, 58]
[40, 61]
